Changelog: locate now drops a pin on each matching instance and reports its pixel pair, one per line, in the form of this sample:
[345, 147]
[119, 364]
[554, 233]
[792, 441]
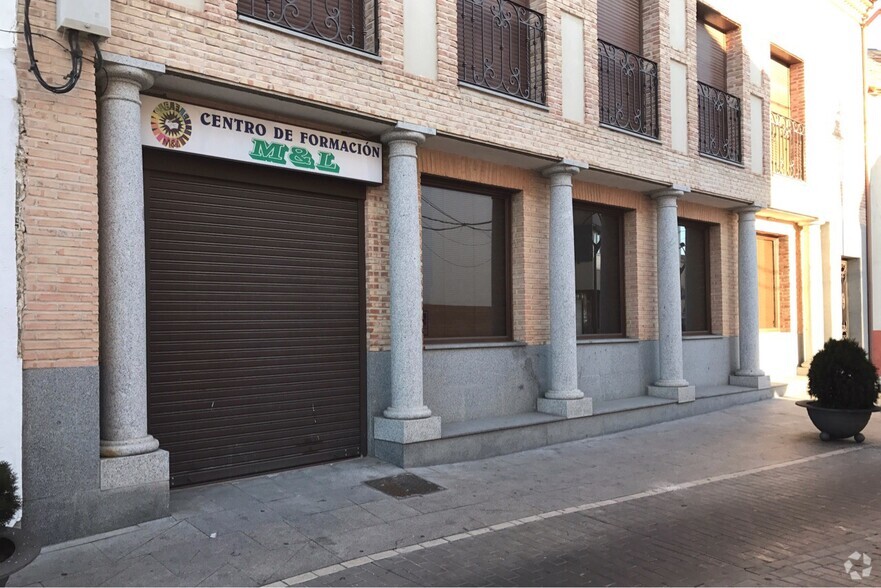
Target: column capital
[747, 211]
[564, 167]
[675, 191]
[128, 70]
[407, 132]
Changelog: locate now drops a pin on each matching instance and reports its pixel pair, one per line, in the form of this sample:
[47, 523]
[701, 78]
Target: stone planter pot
[17, 549]
[838, 423]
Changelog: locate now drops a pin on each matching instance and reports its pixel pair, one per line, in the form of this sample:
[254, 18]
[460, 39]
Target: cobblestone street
[795, 525]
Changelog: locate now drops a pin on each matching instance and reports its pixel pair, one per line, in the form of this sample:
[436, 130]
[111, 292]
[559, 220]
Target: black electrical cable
[76, 56]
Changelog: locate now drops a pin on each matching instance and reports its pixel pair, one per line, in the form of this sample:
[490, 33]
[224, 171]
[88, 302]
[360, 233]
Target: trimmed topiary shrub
[842, 376]
[9, 500]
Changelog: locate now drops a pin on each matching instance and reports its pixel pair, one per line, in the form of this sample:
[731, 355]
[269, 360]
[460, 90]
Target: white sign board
[168, 124]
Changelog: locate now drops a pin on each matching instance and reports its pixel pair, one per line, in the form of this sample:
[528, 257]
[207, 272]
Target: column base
[680, 394]
[574, 394]
[144, 445]
[406, 431]
[407, 414]
[757, 382]
[570, 409]
[134, 470]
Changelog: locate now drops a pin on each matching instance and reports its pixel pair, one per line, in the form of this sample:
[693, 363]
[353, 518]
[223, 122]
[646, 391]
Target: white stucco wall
[834, 163]
[10, 363]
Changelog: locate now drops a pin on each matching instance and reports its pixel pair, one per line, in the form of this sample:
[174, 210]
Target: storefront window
[464, 264]
[599, 304]
[694, 275]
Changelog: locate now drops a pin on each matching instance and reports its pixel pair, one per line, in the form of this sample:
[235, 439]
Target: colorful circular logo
[171, 125]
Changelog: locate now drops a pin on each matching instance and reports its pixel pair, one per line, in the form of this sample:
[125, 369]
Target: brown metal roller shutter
[254, 317]
[712, 56]
[619, 22]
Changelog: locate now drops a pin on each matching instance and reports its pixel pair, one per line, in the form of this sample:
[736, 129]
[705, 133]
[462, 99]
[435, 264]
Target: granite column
[671, 383]
[122, 300]
[408, 419]
[130, 456]
[563, 397]
[748, 373]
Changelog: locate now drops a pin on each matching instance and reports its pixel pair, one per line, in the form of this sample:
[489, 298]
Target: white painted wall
[679, 106]
[833, 189]
[420, 38]
[10, 363]
[677, 20]
[572, 33]
[757, 115]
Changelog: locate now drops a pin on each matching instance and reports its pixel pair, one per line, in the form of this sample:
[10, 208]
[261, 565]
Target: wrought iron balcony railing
[628, 91]
[502, 48]
[719, 117]
[350, 23]
[787, 146]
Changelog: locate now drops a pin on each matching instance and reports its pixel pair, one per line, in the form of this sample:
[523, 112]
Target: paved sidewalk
[795, 525]
[261, 530]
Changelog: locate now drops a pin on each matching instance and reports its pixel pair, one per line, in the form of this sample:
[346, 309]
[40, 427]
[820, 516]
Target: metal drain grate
[404, 486]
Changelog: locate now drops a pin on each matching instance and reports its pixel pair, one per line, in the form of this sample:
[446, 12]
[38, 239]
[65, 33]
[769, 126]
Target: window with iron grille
[628, 82]
[787, 112]
[348, 23]
[502, 48]
[719, 113]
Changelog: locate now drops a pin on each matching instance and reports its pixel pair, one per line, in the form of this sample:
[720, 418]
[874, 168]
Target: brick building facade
[321, 322]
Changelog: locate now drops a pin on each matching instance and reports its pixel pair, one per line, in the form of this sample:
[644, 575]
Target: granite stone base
[134, 470]
[503, 440]
[406, 430]
[569, 409]
[62, 472]
[678, 393]
[750, 381]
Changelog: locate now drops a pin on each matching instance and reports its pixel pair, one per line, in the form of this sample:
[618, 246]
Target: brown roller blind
[711, 56]
[619, 22]
[780, 84]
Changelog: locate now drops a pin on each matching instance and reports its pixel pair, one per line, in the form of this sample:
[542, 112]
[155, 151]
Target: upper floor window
[719, 113]
[619, 22]
[599, 270]
[781, 87]
[501, 48]
[465, 271]
[349, 23]
[712, 56]
[628, 82]
[787, 114]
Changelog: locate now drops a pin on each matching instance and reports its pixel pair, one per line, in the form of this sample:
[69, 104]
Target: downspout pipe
[867, 173]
